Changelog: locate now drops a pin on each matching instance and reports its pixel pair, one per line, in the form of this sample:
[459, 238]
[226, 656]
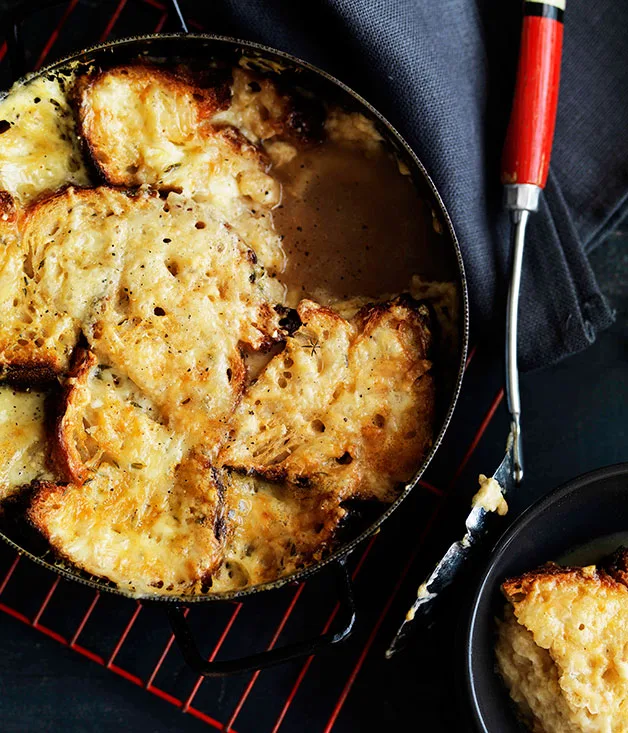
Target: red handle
[531, 130]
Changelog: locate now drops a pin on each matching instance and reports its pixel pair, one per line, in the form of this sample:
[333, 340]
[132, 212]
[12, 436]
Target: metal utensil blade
[451, 562]
[509, 473]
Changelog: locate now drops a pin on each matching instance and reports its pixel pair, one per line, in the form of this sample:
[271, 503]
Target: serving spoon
[525, 166]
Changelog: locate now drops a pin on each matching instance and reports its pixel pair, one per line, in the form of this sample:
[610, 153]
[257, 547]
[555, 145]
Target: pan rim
[343, 551]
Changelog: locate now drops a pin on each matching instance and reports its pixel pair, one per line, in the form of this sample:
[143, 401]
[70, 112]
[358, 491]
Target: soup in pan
[218, 323]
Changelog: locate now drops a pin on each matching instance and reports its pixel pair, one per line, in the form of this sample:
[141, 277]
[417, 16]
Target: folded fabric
[443, 73]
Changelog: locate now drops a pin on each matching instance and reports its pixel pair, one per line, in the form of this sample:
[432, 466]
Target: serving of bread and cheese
[562, 646]
[178, 416]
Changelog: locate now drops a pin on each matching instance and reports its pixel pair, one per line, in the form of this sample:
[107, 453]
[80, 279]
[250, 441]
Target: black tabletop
[574, 421]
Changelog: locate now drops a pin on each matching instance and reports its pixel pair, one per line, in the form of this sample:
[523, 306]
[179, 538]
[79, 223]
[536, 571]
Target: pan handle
[270, 657]
[15, 17]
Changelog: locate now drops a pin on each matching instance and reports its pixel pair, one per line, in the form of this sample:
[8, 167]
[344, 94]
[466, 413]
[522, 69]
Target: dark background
[574, 421]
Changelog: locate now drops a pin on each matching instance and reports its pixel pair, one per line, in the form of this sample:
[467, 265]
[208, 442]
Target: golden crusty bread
[348, 406]
[162, 289]
[139, 508]
[35, 341]
[347, 421]
[165, 464]
[562, 647]
[23, 440]
[39, 150]
[145, 125]
[272, 529]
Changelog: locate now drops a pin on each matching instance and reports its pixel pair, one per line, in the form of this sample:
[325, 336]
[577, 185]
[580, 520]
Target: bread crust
[204, 103]
[147, 126]
[139, 507]
[610, 573]
[64, 453]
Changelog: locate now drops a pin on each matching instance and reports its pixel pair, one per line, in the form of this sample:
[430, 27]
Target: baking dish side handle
[14, 17]
[270, 657]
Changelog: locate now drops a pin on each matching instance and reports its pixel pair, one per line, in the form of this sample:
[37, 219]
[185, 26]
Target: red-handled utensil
[525, 166]
[530, 134]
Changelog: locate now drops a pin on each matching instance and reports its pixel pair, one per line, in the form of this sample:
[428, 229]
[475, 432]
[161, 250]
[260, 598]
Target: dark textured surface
[574, 420]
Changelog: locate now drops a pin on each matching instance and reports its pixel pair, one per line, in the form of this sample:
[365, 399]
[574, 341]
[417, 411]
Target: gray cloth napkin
[443, 72]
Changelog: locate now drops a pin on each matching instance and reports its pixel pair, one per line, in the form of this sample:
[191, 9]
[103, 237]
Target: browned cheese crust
[129, 91]
[273, 529]
[562, 645]
[147, 126]
[140, 508]
[162, 289]
[31, 351]
[347, 407]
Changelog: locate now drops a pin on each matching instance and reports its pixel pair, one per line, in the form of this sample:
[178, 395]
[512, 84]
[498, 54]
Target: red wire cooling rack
[107, 629]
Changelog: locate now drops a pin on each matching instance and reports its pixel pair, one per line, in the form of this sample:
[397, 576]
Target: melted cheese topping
[173, 286]
[274, 530]
[148, 126]
[338, 403]
[11, 288]
[562, 650]
[145, 515]
[22, 440]
[162, 290]
[284, 409]
[257, 108]
[39, 152]
[490, 496]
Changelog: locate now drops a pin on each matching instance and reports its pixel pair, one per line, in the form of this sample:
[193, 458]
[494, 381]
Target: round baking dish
[201, 49]
[579, 513]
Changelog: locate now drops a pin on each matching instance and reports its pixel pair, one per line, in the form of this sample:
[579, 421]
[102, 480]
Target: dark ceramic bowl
[583, 512]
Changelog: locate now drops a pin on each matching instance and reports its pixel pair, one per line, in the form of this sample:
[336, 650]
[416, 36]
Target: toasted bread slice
[35, 341]
[39, 150]
[140, 509]
[272, 530]
[562, 647]
[23, 440]
[262, 111]
[161, 289]
[146, 125]
[189, 295]
[348, 406]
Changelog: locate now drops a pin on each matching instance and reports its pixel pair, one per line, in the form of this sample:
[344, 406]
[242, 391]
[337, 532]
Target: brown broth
[352, 224]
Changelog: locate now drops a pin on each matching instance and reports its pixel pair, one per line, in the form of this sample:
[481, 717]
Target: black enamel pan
[443, 247]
